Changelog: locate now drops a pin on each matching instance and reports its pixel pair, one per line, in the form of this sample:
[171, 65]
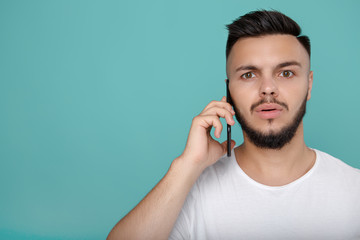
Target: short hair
[261, 23]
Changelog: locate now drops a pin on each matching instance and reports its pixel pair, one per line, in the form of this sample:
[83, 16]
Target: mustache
[268, 100]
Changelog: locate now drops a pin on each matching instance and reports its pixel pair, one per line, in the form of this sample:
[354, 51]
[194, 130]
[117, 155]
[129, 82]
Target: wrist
[187, 168]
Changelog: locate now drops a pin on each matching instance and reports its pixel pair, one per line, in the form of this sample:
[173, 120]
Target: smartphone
[228, 99]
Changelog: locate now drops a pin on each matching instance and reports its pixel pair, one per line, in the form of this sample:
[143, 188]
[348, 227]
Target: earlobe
[311, 75]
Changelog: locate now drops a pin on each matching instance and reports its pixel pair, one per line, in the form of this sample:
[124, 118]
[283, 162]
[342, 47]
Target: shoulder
[219, 170]
[337, 167]
[215, 176]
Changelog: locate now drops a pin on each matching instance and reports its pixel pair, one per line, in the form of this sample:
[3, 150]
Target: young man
[273, 186]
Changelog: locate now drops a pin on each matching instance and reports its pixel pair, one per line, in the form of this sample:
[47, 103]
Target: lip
[268, 110]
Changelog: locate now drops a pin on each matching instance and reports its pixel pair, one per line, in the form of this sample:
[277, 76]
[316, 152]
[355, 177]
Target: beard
[272, 140]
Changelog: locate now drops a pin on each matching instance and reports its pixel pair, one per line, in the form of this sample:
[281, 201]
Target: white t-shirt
[225, 203]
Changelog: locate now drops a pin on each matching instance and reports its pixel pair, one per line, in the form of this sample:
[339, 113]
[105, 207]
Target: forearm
[155, 216]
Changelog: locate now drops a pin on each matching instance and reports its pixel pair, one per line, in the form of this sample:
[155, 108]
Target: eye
[286, 74]
[248, 75]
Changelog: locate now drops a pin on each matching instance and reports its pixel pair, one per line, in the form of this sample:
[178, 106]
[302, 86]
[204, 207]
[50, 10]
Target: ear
[311, 75]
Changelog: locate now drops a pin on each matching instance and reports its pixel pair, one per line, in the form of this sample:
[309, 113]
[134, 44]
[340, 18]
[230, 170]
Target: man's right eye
[248, 75]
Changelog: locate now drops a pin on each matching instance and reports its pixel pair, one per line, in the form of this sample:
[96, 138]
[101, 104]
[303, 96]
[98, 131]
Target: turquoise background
[97, 97]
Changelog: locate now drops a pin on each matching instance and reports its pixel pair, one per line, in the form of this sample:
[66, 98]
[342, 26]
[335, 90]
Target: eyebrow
[280, 65]
[290, 63]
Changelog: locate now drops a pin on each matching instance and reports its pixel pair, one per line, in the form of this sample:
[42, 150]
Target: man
[273, 186]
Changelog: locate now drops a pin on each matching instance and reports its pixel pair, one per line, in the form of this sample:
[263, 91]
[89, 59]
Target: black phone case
[228, 99]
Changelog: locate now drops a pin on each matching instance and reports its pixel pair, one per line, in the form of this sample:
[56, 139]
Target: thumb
[224, 145]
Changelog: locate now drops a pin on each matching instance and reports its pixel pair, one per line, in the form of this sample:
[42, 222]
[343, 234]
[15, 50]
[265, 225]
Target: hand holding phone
[202, 149]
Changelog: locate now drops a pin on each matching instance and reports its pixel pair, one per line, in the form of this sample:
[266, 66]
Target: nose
[268, 88]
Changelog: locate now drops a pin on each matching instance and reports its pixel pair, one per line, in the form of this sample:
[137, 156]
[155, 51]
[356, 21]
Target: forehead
[267, 51]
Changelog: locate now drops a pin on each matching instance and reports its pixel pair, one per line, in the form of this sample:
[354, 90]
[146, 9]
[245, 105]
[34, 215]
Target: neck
[276, 167]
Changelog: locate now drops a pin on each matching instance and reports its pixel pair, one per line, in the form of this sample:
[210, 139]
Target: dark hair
[260, 23]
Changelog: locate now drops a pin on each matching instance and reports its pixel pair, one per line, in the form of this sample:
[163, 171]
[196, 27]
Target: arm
[155, 216]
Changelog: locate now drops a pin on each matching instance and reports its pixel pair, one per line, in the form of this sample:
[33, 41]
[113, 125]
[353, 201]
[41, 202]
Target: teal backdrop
[97, 97]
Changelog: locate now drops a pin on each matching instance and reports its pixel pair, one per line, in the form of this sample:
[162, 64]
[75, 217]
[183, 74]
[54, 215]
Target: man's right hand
[155, 216]
[201, 149]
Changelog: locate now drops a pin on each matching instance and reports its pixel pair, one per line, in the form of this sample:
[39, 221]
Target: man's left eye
[286, 74]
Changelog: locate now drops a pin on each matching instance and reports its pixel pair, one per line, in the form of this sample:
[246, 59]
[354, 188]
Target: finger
[221, 112]
[233, 143]
[210, 121]
[224, 145]
[221, 104]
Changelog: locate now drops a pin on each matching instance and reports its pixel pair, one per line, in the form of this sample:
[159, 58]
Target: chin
[270, 128]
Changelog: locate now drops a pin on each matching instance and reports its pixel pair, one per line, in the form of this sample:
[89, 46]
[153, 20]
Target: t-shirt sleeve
[181, 229]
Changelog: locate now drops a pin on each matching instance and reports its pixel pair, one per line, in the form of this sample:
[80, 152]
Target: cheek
[242, 101]
[243, 89]
[294, 96]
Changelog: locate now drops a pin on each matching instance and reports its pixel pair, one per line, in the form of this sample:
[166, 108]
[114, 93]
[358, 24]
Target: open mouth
[269, 111]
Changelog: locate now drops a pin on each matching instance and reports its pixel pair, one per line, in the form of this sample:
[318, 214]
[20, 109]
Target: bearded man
[272, 186]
